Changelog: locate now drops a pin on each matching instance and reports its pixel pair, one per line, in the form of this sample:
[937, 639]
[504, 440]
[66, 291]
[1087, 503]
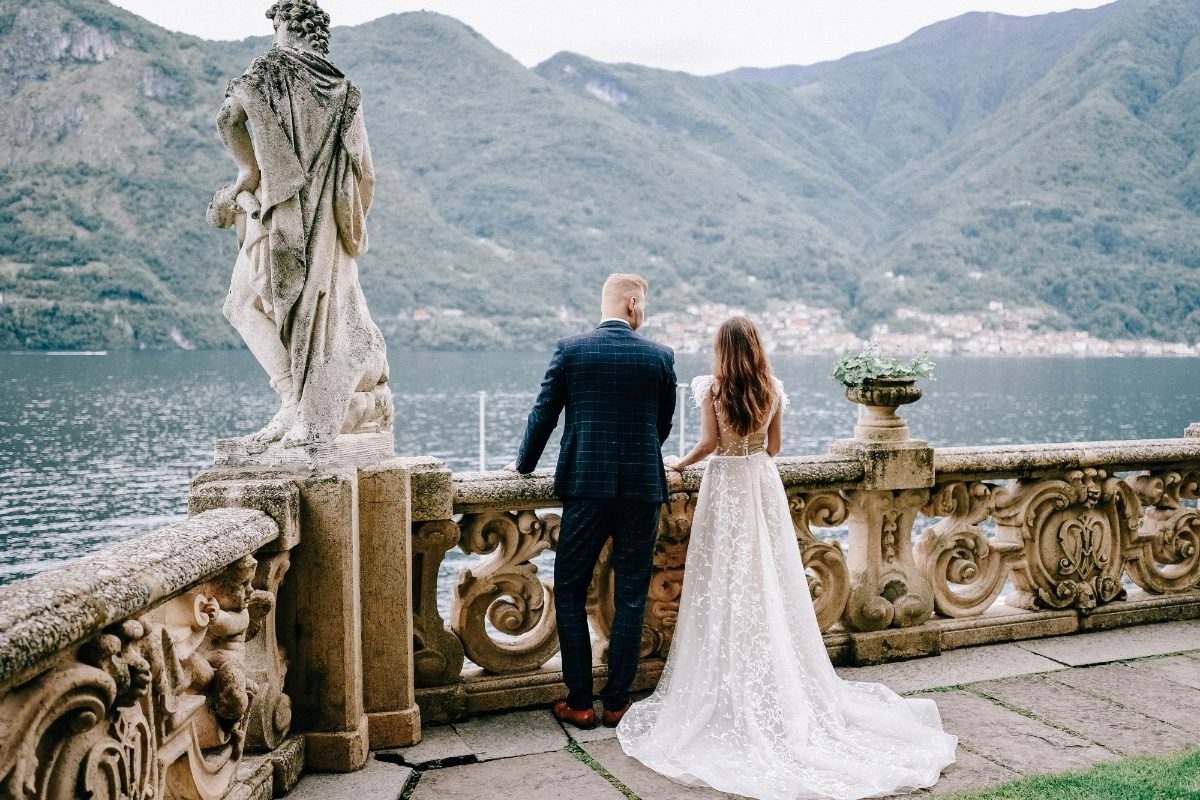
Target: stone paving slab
[596, 734]
[1141, 691]
[545, 776]
[1118, 729]
[519, 733]
[953, 668]
[1181, 670]
[438, 743]
[970, 771]
[1104, 646]
[378, 780]
[643, 781]
[1017, 742]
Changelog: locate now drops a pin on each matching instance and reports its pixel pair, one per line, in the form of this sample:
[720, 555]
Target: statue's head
[300, 24]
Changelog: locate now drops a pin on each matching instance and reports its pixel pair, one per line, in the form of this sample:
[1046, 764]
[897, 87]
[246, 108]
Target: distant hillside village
[797, 328]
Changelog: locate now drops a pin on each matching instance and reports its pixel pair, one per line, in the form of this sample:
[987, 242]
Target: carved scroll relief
[966, 569]
[437, 653]
[824, 561]
[1072, 527]
[155, 707]
[1164, 556]
[505, 591]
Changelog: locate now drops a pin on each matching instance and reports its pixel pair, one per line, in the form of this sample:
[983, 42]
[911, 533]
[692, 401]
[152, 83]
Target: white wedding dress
[748, 701]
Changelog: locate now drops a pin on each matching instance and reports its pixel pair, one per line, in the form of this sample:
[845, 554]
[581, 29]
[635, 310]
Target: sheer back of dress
[728, 442]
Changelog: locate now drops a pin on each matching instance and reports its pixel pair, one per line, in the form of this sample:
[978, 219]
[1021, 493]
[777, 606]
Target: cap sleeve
[700, 387]
[779, 392]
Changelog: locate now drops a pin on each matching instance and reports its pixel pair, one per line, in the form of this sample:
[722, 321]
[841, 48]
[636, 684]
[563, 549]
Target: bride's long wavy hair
[742, 376]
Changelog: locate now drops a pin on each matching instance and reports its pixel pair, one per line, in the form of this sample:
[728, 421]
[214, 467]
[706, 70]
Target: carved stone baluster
[266, 661]
[954, 551]
[666, 581]
[505, 591]
[1072, 527]
[600, 604]
[1169, 534]
[81, 729]
[437, 653]
[887, 587]
[828, 576]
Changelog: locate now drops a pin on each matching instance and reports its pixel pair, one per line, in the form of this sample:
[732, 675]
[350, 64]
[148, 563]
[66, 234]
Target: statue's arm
[231, 122]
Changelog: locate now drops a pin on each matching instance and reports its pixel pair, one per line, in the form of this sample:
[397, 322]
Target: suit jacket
[618, 389]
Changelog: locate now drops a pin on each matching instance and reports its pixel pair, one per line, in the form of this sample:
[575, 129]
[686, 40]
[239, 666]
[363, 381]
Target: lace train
[748, 702]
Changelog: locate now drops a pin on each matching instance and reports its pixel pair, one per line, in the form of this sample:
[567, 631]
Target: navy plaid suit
[618, 390]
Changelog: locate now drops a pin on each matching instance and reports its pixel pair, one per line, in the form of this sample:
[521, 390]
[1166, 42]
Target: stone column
[385, 519]
[888, 589]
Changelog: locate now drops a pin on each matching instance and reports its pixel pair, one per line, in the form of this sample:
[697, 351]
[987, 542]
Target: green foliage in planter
[852, 369]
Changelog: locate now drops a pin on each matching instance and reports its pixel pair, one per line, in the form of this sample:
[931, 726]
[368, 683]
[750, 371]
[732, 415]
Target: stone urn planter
[878, 399]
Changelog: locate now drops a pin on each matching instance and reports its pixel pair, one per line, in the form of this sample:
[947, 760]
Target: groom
[619, 392]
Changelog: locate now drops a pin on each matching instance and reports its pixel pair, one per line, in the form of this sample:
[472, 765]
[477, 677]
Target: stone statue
[294, 125]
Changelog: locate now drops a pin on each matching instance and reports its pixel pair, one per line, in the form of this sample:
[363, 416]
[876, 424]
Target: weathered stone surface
[254, 780]
[953, 668]
[596, 734]
[1105, 646]
[1143, 608]
[337, 751]
[644, 782]
[44, 614]
[347, 450]
[378, 780]
[547, 776]
[325, 677]
[892, 465]
[432, 490]
[1183, 670]
[1019, 743]
[1115, 728]
[1140, 691]
[1009, 461]
[438, 743]
[1003, 623]
[278, 499]
[894, 644]
[970, 771]
[386, 594]
[515, 734]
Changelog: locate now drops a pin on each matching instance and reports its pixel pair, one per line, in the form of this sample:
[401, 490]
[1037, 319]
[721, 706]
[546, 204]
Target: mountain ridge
[507, 193]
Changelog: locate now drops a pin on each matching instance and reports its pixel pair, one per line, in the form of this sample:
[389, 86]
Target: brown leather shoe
[584, 719]
[613, 718]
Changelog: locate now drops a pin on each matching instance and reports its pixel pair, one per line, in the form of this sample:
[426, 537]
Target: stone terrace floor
[1049, 705]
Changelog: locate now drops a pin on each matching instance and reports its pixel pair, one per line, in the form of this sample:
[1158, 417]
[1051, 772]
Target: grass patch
[1173, 777]
[574, 749]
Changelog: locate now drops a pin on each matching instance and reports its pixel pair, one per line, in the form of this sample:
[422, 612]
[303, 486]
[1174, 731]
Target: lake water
[94, 449]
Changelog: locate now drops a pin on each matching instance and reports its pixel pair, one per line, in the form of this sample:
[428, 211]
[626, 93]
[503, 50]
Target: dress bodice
[728, 442]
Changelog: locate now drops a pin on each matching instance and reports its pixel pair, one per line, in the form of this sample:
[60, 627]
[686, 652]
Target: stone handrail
[147, 669]
[1056, 522]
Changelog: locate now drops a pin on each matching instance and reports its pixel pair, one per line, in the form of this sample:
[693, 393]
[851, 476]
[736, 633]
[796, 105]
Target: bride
[748, 702]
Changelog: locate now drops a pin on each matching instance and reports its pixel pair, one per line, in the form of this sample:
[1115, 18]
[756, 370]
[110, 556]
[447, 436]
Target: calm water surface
[94, 449]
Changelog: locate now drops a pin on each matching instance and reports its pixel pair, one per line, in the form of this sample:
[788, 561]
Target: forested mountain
[1044, 160]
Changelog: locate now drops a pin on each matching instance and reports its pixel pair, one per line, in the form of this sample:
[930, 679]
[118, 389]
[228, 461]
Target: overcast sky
[699, 36]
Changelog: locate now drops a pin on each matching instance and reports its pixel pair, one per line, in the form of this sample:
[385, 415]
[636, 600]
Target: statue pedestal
[345, 621]
[347, 450]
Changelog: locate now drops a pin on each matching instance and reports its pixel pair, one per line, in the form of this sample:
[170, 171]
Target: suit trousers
[587, 523]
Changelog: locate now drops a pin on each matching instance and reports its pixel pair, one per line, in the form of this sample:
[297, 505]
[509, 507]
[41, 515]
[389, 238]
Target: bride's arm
[775, 432]
[708, 438]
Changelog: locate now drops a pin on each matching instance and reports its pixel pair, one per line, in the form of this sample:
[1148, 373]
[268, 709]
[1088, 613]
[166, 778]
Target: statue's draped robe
[310, 142]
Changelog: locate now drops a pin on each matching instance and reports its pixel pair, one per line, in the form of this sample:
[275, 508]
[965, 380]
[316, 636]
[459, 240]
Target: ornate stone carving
[955, 551]
[666, 581]
[828, 576]
[150, 708]
[505, 591]
[1164, 556]
[271, 710]
[887, 587]
[437, 653]
[1072, 527]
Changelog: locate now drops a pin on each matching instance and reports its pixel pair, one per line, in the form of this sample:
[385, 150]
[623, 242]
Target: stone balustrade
[147, 670]
[1069, 536]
